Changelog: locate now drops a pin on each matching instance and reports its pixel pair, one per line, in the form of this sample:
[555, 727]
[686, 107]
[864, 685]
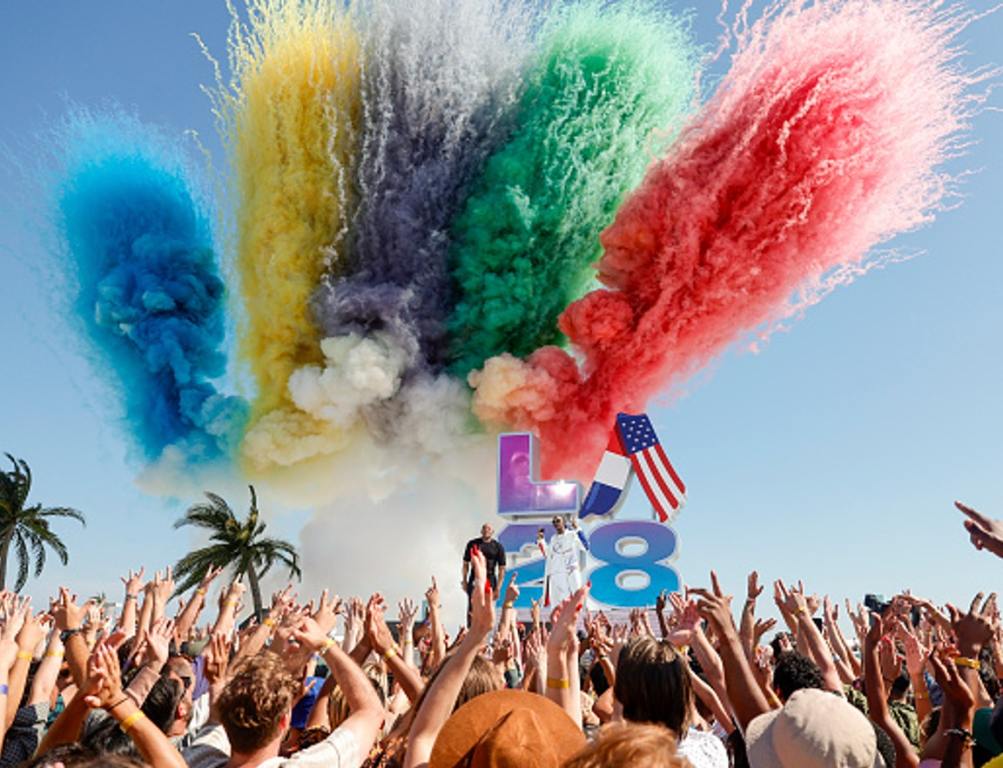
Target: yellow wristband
[959, 661]
[269, 622]
[391, 652]
[508, 604]
[131, 720]
[200, 591]
[25, 655]
[52, 654]
[326, 646]
[558, 682]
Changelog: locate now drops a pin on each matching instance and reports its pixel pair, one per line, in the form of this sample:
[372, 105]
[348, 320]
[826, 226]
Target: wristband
[326, 646]
[269, 622]
[391, 652]
[131, 720]
[4, 690]
[231, 601]
[200, 591]
[508, 604]
[131, 597]
[967, 736]
[962, 661]
[51, 654]
[558, 682]
[25, 655]
[119, 702]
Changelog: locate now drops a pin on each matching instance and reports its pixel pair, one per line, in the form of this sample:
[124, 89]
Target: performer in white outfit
[563, 570]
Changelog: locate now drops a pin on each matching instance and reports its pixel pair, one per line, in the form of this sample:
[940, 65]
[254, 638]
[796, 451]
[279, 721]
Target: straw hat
[507, 729]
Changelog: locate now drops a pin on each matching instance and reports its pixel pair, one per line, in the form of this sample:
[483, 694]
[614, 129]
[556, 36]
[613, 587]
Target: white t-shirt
[703, 750]
[211, 749]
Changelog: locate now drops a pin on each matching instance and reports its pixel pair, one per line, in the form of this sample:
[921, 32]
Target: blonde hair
[652, 746]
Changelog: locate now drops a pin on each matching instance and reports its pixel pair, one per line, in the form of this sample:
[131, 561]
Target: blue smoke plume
[150, 297]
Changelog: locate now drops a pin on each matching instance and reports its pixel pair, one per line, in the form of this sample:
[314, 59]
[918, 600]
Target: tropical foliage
[236, 544]
[24, 528]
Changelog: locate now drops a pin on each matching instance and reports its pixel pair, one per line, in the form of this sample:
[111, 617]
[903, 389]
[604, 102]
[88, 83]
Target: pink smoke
[822, 141]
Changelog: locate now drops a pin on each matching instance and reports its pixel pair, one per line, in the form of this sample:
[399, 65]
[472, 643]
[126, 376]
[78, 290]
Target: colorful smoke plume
[453, 217]
[289, 117]
[149, 297]
[822, 141]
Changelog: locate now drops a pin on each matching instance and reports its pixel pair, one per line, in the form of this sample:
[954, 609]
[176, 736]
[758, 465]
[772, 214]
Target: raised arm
[747, 625]
[153, 745]
[746, 697]
[383, 643]
[563, 681]
[366, 716]
[797, 605]
[441, 696]
[438, 634]
[227, 618]
[133, 584]
[877, 698]
[190, 614]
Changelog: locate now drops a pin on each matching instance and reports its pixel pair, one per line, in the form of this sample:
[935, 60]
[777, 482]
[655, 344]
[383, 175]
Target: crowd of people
[698, 681]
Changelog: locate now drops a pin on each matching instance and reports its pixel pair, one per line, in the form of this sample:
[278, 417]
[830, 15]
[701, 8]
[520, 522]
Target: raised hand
[715, 606]
[753, 588]
[158, 644]
[326, 614]
[104, 678]
[563, 636]
[432, 595]
[310, 635]
[133, 582]
[951, 682]
[915, 652]
[975, 628]
[32, 631]
[67, 613]
[482, 606]
[762, 626]
[512, 591]
[985, 533]
[210, 576]
[377, 631]
[217, 659]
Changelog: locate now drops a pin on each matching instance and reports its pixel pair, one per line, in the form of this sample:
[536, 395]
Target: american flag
[665, 490]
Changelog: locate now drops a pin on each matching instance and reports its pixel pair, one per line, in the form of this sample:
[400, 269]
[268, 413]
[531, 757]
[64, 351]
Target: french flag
[609, 481]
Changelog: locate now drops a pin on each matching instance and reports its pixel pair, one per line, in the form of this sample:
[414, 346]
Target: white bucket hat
[815, 729]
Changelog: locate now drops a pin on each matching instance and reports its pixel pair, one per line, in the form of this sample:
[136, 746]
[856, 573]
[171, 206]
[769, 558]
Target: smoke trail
[150, 299]
[606, 78]
[438, 89]
[289, 117]
[822, 141]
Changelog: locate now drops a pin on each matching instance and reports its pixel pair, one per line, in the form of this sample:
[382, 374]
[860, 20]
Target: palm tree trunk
[4, 551]
[252, 580]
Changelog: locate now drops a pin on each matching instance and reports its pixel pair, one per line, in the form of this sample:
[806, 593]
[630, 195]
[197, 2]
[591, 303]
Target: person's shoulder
[341, 748]
[703, 750]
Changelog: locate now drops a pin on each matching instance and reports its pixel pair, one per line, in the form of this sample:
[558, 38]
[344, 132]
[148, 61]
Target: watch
[66, 634]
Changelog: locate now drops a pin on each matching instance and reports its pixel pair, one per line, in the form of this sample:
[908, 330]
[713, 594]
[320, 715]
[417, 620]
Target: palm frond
[70, 512]
[23, 561]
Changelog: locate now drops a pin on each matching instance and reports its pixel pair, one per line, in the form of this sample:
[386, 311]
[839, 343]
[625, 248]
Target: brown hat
[507, 729]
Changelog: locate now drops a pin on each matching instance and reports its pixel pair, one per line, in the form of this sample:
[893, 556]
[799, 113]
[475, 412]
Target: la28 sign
[628, 560]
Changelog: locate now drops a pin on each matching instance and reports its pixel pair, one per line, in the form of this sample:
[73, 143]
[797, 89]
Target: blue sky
[833, 454]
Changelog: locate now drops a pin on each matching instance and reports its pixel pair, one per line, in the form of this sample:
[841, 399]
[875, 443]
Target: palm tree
[237, 544]
[27, 528]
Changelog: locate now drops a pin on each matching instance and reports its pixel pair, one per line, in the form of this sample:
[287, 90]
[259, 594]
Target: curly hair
[795, 672]
[653, 685]
[652, 746]
[254, 701]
